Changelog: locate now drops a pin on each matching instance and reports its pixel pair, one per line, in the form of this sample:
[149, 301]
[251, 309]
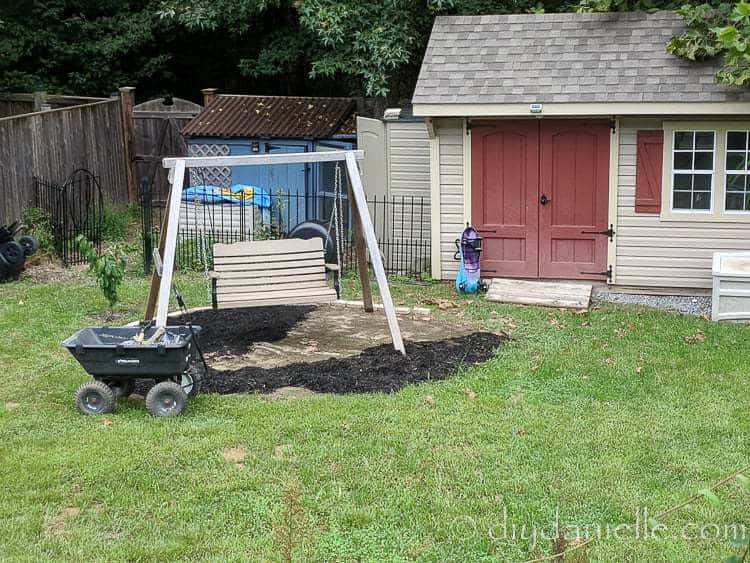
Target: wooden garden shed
[581, 149]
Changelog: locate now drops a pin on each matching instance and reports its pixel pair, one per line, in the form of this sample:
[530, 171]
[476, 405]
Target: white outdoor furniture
[270, 272]
[731, 286]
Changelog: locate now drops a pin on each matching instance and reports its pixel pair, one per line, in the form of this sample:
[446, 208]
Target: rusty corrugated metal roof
[273, 116]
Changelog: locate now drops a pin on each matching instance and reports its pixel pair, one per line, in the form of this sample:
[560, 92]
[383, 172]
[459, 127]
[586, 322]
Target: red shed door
[505, 181]
[573, 196]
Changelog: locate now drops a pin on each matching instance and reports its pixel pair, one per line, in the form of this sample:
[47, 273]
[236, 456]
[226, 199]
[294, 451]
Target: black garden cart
[116, 356]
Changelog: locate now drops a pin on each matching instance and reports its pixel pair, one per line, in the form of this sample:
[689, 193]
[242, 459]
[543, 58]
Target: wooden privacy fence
[52, 144]
[18, 104]
[157, 124]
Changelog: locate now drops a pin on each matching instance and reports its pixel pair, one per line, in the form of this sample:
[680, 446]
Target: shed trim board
[647, 250]
[587, 109]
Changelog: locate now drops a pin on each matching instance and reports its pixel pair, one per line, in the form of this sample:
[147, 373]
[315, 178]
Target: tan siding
[655, 253]
[408, 154]
[409, 159]
[451, 137]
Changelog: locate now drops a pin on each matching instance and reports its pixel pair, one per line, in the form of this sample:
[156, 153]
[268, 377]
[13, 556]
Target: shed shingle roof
[571, 57]
[273, 116]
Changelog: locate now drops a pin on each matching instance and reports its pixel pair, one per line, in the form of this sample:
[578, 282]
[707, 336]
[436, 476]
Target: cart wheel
[166, 399]
[121, 387]
[191, 380]
[95, 397]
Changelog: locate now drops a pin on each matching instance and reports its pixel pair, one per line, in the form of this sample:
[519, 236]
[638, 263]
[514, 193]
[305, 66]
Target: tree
[722, 30]
[80, 47]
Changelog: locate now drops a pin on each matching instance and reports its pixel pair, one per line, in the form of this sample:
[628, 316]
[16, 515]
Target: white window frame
[716, 212]
[727, 173]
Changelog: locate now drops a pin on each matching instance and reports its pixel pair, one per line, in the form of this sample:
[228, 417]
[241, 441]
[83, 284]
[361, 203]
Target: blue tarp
[239, 194]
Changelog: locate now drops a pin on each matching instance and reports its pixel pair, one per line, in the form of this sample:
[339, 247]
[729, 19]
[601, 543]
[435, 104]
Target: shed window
[737, 189]
[693, 170]
[706, 172]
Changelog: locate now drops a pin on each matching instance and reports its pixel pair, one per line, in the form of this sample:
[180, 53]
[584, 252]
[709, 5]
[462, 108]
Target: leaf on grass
[443, 303]
[429, 400]
[743, 480]
[710, 497]
[638, 369]
[470, 394]
[697, 337]
[107, 422]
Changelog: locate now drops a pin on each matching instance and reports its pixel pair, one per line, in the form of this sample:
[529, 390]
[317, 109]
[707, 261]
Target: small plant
[289, 529]
[37, 224]
[115, 221]
[109, 268]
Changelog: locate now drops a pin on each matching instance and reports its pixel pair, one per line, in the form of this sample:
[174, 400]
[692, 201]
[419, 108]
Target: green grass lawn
[590, 417]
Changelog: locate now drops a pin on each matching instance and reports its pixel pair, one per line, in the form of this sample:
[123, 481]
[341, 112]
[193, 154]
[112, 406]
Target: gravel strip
[686, 304]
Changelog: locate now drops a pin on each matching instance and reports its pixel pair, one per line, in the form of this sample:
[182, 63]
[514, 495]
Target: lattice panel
[215, 176]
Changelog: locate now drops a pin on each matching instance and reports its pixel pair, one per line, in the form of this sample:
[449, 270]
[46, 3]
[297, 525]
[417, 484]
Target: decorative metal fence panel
[74, 207]
[402, 226]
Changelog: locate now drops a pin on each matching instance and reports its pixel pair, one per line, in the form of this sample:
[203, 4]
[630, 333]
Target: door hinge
[609, 233]
[607, 272]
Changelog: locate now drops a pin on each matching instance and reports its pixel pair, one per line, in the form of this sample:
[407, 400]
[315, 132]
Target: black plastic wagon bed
[116, 356]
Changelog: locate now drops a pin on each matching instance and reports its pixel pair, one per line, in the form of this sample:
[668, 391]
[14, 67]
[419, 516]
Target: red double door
[539, 197]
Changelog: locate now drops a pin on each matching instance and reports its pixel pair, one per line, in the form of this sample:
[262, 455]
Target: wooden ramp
[545, 293]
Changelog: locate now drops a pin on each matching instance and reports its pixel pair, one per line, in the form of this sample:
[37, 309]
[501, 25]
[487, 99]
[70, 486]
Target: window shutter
[648, 171]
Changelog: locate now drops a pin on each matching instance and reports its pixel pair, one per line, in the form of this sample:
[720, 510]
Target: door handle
[544, 200]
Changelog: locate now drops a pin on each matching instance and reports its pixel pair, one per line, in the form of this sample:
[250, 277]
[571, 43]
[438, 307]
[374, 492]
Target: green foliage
[371, 48]
[108, 268]
[193, 254]
[115, 222]
[722, 30]
[37, 224]
[74, 47]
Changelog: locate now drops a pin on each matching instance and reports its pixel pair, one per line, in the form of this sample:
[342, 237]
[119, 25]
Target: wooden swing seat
[270, 272]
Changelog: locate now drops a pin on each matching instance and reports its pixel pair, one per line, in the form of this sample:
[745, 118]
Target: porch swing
[275, 272]
[290, 271]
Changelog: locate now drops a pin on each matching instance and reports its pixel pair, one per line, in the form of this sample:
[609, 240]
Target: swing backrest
[270, 272]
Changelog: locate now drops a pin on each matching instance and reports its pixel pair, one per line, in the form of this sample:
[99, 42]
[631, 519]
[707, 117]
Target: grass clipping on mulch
[380, 368]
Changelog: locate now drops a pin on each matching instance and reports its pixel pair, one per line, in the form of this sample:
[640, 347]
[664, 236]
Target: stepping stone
[544, 293]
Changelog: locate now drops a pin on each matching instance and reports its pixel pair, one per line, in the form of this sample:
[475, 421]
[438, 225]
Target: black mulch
[380, 368]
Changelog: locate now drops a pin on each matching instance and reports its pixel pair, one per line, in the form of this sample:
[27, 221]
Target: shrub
[37, 224]
[115, 221]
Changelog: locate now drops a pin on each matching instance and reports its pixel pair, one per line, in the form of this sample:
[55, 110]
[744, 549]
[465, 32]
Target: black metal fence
[73, 207]
[402, 226]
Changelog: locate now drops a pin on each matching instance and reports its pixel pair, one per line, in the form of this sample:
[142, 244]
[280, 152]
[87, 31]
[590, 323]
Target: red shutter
[648, 171]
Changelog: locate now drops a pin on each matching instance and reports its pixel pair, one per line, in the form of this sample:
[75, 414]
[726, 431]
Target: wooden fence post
[127, 101]
[40, 100]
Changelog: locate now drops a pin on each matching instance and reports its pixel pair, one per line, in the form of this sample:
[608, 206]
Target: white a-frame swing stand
[162, 283]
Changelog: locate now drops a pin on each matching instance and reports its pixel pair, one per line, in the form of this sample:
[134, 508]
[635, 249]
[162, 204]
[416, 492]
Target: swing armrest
[332, 267]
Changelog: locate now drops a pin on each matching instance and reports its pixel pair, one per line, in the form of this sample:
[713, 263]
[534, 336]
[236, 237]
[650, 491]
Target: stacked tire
[13, 253]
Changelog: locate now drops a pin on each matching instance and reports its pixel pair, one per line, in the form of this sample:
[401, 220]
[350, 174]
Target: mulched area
[380, 368]
[234, 331]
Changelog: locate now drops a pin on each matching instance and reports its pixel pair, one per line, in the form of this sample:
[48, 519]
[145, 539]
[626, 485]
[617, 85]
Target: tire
[121, 387]
[311, 229]
[13, 253]
[30, 245]
[166, 399]
[95, 397]
[192, 380]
